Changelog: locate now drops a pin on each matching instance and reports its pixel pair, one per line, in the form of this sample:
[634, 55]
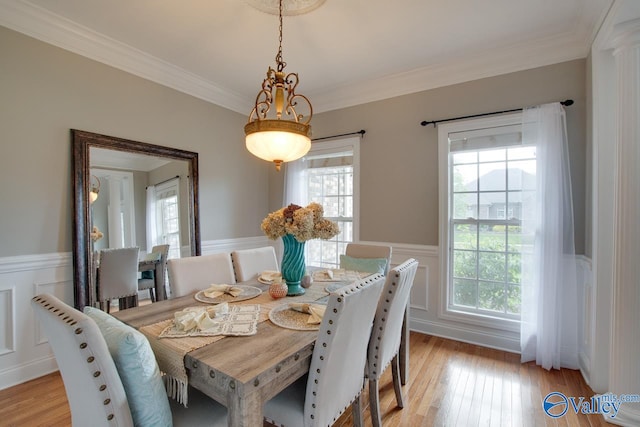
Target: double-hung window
[168, 216]
[487, 184]
[328, 175]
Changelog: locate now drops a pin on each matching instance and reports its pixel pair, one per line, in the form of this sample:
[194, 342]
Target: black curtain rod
[361, 132]
[166, 180]
[566, 103]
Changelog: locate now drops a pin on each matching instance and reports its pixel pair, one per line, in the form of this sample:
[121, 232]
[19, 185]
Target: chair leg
[397, 383]
[374, 403]
[152, 294]
[356, 409]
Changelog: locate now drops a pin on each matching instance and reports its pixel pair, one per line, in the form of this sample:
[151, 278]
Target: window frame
[445, 311]
[336, 146]
[168, 186]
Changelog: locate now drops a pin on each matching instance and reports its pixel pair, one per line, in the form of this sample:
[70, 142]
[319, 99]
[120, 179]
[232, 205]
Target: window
[328, 175]
[490, 175]
[168, 217]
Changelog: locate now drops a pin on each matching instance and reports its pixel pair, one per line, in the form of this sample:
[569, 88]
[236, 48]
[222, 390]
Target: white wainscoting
[25, 354]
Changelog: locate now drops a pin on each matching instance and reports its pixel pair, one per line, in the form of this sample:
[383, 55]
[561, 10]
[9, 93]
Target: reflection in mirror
[130, 193]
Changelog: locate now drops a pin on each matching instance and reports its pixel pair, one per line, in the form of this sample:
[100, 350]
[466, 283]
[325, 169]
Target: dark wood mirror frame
[82, 143]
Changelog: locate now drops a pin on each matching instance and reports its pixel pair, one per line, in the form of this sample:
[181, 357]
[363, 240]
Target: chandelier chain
[279, 61]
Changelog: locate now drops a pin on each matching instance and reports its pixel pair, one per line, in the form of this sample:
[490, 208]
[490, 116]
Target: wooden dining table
[240, 372]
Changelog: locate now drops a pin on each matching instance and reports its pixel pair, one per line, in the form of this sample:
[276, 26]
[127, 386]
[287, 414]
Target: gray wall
[399, 157]
[45, 91]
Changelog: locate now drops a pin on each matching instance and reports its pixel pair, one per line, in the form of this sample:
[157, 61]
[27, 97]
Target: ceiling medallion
[289, 7]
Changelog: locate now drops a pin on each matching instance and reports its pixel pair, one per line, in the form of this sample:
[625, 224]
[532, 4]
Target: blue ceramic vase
[293, 267]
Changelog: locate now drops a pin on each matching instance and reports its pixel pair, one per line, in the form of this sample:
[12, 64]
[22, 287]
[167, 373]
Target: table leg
[245, 411]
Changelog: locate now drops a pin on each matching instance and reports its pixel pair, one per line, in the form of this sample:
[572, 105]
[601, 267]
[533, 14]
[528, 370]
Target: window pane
[465, 178]
[464, 264]
[465, 205]
[514, 235]
[492, 155]
[492, 177]
[490, 203]
[491, 296]
[465, 157]
[513, 299]
[491, 266]
[465, 236]
[521, 153]
[514, 268]
[465, 292]
[522, 175]
[493, 238]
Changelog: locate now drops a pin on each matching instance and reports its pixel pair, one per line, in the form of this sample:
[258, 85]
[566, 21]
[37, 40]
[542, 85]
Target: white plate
[285, 317]
[248, 292]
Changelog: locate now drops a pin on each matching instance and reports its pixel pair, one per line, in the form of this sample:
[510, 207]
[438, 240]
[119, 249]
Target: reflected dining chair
[96, 392]
[118, 277]
[384, 344]
[249, 263]
[362, 251]
[148, 279]
[336, 376]
[187, 275]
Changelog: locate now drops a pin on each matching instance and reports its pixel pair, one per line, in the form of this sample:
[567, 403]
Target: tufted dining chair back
[118, 277]
[336, 375]
[384, 344]
[94, 390]
[249, 263]
[191, 274]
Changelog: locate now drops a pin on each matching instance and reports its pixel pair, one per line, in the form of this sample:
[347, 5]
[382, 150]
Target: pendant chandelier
[277, 131]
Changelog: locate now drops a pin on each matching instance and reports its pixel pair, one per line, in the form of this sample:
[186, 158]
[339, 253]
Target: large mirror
[114, 180]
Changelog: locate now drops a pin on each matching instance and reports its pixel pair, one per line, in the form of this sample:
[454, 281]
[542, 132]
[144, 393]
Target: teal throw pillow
[137, 368]
[367, 265]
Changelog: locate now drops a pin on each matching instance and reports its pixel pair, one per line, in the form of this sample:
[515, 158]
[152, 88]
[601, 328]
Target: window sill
[483, 320]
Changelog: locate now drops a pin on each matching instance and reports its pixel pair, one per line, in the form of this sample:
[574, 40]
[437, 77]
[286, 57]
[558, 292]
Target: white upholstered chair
[356, 250]
[148, 279]
[118, 277]
[187, 275]
[336, 376]
[249, 263]
[95, 390]
[387, 331]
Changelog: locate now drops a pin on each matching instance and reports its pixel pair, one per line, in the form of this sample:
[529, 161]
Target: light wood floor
[450, 384]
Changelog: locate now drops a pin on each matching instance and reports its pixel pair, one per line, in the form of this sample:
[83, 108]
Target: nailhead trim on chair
[78, 332]
[399, 269]
[342, 292]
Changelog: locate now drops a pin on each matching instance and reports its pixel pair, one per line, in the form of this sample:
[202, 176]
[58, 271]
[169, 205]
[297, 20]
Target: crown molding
[485, 64]
[34, 21]
[53, 29]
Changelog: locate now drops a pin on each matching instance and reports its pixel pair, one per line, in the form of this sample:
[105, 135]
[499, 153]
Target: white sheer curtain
[549, 333]
[152, 229]
[295, 183]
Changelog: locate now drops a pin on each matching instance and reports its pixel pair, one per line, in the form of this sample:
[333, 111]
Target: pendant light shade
[278, 131]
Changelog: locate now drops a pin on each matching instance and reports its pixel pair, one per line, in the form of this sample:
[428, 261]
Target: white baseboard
[470, 336]
[27, 371]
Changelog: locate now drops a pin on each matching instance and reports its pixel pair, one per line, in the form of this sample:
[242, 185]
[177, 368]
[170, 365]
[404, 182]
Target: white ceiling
[346, 52]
